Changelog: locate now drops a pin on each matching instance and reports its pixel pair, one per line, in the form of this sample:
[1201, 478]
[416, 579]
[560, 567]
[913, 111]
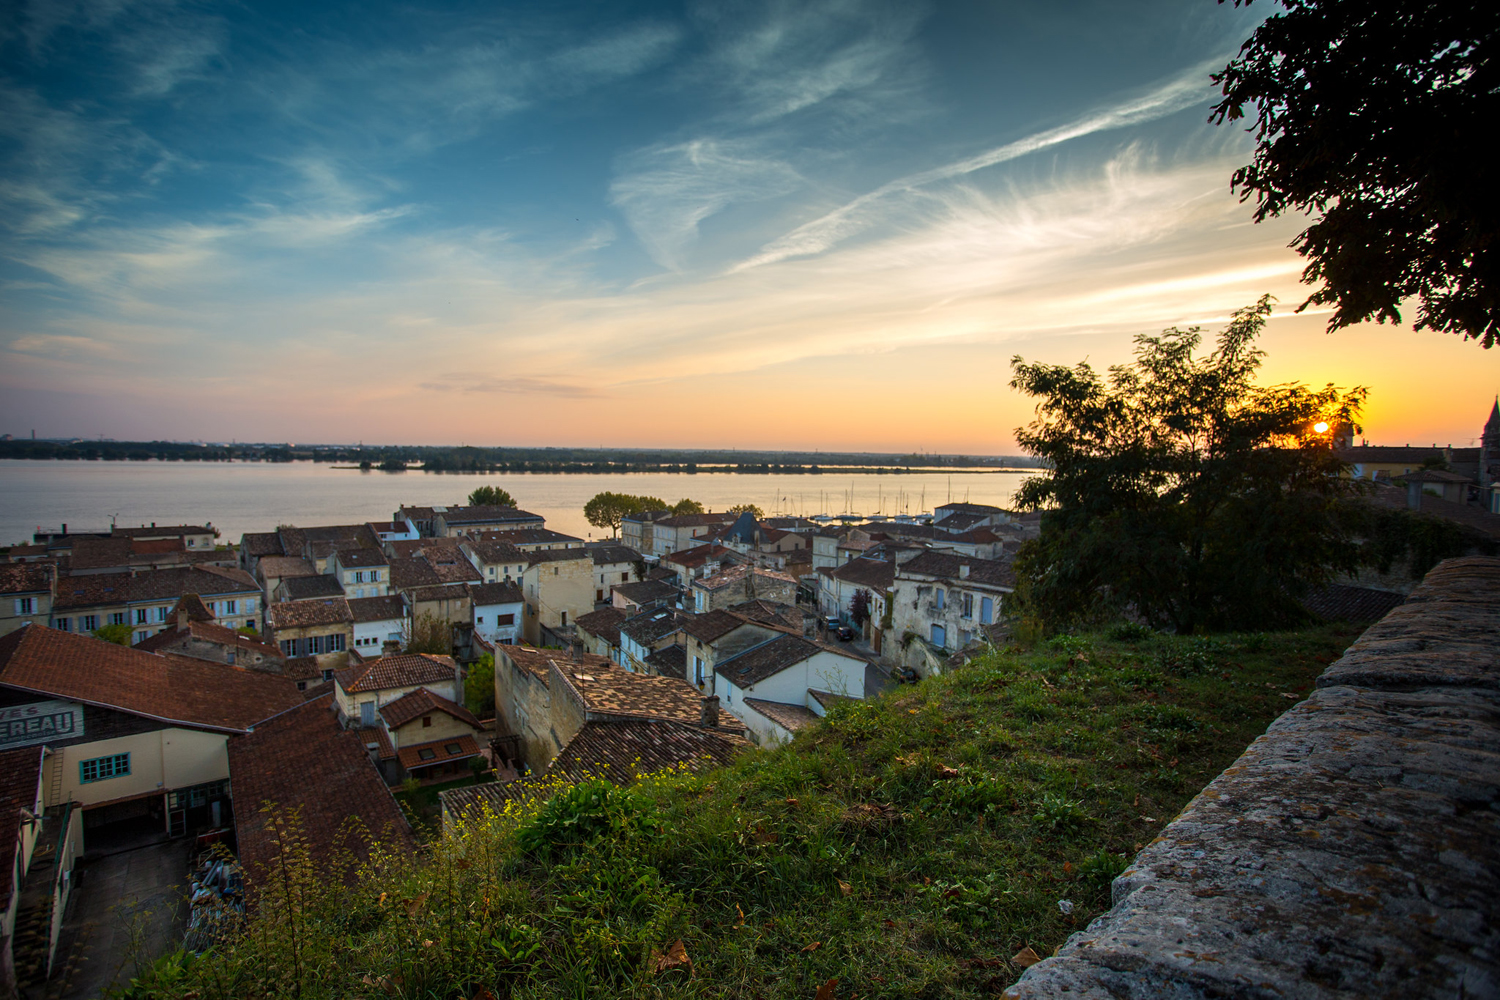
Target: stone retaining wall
[1352, 851]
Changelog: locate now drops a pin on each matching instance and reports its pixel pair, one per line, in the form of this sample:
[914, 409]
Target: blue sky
[807, 225]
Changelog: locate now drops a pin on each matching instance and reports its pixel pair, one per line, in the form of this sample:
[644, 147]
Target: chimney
[390, 646]
[1414, 495]
[183, 621]
[710, 714]
[963, 572]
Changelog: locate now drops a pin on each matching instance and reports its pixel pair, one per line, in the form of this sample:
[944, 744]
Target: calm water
[255, 496]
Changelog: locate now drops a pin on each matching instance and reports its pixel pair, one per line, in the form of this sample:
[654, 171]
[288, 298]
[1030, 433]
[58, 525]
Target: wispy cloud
[841, 223]
[519, 385]
[666, 192]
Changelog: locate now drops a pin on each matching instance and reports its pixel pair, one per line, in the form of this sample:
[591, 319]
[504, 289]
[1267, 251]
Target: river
[257, 496]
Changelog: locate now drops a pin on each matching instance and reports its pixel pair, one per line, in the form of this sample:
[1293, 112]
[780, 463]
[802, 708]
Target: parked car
[831, 622]
[845, 633]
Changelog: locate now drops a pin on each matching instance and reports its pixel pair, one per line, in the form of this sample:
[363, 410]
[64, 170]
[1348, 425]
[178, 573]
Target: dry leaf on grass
[740, 920]
[944, 771]
[676, 957]
[813, 947]
[844, 887]
[825, 992]
[1026, 958]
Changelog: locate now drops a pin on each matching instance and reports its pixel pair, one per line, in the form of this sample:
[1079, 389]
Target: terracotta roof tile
[20, 782]
[376, 739]
[434, 752]
[495, 593]
[712, 625]
[259, 544]
[485, 515]
[377, 609]
[608, 690]
[355, 558]
[670, 661]
[649, 626]
[538, 661]
[423, 702]
[26, 578]
[153, 585]
[208, 631]
[304, 760]
[950, 566]
[645, 591]
[610, 554]
[789, 717]
[168, 688]
[302, 614]
[771, 657]
[284, 567]
[875, 574]
[602, 624]
[397, 670]
[528, 536]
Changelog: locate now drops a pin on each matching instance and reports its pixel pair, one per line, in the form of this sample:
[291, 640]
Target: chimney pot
[710, 713]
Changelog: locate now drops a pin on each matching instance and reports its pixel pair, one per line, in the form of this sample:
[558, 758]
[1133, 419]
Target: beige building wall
[159, 762]
[557, 594]
[444, 726]
[525, 702]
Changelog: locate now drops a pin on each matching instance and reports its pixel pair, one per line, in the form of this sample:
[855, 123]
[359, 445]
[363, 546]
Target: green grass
[908, 847]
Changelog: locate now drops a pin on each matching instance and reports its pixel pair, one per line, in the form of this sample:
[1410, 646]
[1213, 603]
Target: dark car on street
[845, 633]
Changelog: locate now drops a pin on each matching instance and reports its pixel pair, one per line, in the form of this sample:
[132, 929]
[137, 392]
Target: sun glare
[1321, 427]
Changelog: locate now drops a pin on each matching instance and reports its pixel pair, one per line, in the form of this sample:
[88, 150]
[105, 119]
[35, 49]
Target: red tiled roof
[788, 717]
[26, 578]
[172, 689]
[397, 670]
[304, 760]
[377, 738]
[609, 690]
[422, 702]
[538, 661]
[302, 614]
[20, 781]
[154, 585]
[208, 632]
[444, 750]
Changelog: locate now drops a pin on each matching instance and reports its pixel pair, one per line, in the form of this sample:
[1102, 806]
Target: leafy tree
[607, 510]
[427, 633]
[752, 508]
[686, 506]
[479, 687]
[491, 496]
[1179, 487]
[1373, 115]
[120, 635]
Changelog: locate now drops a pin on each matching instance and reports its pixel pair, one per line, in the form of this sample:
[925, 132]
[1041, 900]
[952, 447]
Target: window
[426, 722]
[625, 577]
[479, 619]
[359, 576]
[964, 636]
[140, 615]
[367, 713]
[427, 753]
[26, 605]
[940, 636]
[249, 605]
[374, 575]
[230, 608]
[161, 613]
[698, 670]
[90, 622]
[939, 599]
[143, 636]
[117, 618]
[302, 685]
[454, 748]
[99, 768]
[968, 605]
[328, 675]
[505, 619]
[564, 615]
[212, 608]
[61, 624]
[986, 609]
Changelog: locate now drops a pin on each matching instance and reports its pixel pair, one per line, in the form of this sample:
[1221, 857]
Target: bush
[581, 813]
[1130, 632]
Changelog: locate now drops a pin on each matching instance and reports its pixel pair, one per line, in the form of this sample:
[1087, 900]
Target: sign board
[39, 722]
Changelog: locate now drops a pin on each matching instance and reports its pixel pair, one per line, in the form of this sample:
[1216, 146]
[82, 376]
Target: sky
[759, 225]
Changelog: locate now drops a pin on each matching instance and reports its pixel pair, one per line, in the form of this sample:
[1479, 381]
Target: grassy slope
[1067, 759]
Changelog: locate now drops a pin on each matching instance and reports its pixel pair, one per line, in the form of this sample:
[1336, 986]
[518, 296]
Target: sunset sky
[806, 225]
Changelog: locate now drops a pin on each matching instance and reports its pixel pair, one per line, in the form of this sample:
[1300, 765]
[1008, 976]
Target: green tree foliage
[752, 508]
[1179, 487]
[491, 496]
[427, 633]
[687, 506]
[120, 635]
[479, 687]
[1373, 115]
[607, 510]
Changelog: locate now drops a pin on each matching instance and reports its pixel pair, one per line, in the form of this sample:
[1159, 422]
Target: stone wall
[1350, 852]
